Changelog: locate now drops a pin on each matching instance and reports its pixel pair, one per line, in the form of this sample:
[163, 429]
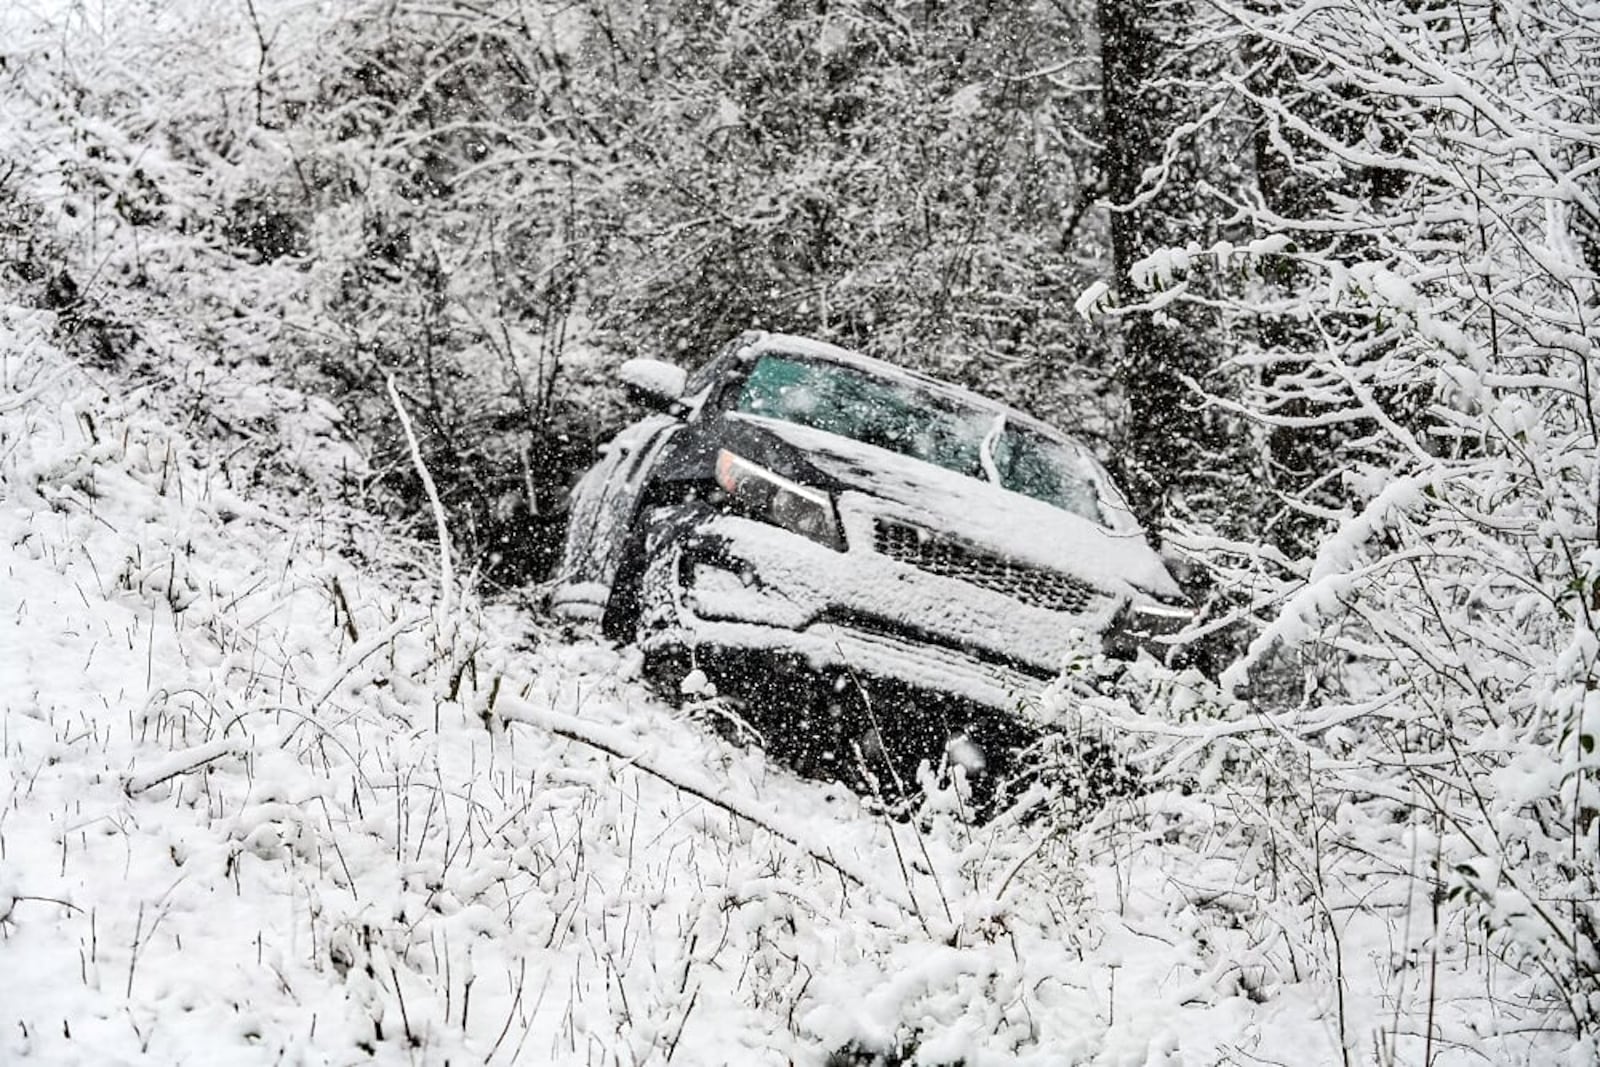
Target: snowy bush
[1423, 307]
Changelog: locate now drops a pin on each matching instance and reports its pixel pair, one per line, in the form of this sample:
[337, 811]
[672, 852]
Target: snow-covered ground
[260, 802]
[263, 804]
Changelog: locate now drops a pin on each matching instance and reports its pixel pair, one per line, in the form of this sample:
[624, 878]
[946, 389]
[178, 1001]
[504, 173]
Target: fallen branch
[615, 743]
[28, 396]
[184, 762]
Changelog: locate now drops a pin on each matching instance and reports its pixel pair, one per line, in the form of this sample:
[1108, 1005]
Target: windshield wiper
[986, 449]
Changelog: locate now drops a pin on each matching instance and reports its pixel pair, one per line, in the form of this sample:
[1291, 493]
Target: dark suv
[910, 558]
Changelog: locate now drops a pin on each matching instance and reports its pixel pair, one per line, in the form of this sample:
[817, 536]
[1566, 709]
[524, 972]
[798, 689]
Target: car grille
[1032, 585]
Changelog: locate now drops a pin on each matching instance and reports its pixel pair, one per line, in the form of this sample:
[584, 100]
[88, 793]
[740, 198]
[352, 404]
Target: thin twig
[446, 575]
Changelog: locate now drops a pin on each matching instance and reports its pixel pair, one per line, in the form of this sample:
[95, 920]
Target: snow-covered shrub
[1426, 314]
[429, 189]
[495, 205]
[254, 160]
[907, 184]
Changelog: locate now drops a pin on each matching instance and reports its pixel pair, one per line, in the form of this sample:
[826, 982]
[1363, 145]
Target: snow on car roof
[761, 341]
[796, 345]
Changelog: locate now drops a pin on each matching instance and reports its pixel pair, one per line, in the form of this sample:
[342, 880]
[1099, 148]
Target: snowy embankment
[254, 799]
[258, 803]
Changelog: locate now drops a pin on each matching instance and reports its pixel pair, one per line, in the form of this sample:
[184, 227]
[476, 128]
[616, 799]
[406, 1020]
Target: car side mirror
[653, 382]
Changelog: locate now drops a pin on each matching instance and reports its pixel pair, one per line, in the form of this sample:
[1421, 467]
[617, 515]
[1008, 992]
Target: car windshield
[902, 417]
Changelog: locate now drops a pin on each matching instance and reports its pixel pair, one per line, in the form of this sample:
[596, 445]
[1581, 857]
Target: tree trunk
[1165, 434]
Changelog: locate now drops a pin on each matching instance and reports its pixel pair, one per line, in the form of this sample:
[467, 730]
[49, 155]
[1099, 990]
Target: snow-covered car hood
[977, 513]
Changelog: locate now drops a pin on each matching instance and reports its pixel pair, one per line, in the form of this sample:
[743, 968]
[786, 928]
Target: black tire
[656, 532]
[621, 617]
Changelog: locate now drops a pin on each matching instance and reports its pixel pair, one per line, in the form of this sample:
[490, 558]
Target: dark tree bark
[1166, 434]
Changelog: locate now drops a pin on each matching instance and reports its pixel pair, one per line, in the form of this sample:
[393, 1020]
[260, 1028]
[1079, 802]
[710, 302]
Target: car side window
[1047, 470]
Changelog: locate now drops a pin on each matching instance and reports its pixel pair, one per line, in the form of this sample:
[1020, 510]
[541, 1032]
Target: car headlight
[771, 497]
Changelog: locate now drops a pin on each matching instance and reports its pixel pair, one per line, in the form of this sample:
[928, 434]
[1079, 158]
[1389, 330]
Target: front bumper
[745, 586]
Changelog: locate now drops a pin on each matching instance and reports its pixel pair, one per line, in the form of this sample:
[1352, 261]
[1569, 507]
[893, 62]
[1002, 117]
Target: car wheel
[622, 606]
[647, 596]
[655, 534]
[655, 625]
